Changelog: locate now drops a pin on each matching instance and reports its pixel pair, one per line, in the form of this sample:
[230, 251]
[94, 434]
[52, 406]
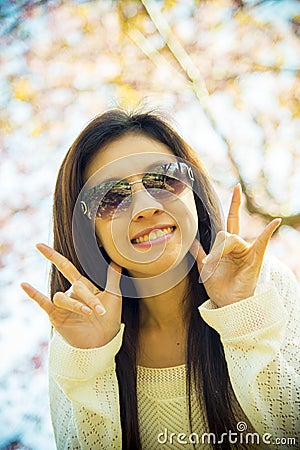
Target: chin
[164, 264]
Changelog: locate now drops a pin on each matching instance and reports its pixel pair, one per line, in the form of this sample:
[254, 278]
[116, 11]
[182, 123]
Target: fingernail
[41, 246]
[100, 310]
[26, 287]
[86, 309]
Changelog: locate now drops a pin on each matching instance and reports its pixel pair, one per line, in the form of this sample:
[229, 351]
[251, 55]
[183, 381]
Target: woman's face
[150, 235]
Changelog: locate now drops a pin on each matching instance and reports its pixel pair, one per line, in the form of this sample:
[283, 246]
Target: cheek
[185, 213]
[193, 215]
[105, 238]
[113, 239]
[99, 233]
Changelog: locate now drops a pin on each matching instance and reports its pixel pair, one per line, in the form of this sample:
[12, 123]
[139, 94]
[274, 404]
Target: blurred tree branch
[199, 87]
[170, 52]
[12, 13]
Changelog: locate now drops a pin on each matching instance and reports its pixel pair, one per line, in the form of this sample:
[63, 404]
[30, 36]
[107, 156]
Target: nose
[143, 205]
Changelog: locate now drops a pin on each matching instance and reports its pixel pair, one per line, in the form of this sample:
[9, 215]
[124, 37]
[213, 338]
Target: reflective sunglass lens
[174, 185]
[112, 198]
[115, 200]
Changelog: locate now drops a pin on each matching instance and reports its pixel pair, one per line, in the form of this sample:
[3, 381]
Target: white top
[261, 339]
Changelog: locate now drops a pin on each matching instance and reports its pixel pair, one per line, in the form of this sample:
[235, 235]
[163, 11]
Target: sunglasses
[114, 197]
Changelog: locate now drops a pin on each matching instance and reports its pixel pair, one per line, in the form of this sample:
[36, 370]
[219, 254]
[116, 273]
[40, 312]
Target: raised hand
[84, 316]
[230, 271]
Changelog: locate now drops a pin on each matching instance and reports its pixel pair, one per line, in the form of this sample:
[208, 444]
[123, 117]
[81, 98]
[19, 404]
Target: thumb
[114, 273]
[198, 253]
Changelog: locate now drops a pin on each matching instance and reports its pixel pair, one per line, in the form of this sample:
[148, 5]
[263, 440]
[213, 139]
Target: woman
[168, 330]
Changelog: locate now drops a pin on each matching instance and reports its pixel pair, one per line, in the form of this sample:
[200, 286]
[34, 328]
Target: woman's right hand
[84, 316]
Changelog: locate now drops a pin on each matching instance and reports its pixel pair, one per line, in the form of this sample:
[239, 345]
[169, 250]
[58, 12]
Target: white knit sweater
[261, 339]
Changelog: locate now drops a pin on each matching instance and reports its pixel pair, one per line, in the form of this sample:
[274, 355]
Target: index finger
[233, 220]
[65, 266]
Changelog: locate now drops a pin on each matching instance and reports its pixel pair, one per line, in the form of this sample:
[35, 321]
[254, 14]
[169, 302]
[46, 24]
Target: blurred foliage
[220, 50]
[226, 71]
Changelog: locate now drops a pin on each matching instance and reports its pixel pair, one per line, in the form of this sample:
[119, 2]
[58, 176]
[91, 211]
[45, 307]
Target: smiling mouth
[154, 237]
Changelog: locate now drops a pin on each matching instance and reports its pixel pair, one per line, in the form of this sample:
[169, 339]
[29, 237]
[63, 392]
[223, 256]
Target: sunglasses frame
[86, 201]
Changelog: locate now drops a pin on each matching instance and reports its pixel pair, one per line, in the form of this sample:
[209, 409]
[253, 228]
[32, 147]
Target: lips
[153, 234]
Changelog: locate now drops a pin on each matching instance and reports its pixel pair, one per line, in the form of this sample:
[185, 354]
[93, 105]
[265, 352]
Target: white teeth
[153, 235]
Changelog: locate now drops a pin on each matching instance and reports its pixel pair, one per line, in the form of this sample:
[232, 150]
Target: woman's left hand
[230, 271]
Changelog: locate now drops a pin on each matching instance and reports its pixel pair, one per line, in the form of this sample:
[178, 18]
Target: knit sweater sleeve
[84, 395]
[261, 340]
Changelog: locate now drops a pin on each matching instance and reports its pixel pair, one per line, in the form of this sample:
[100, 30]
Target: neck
[161, 298]
[165, 311]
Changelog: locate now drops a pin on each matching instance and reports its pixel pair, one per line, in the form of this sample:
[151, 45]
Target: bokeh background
[225, 71]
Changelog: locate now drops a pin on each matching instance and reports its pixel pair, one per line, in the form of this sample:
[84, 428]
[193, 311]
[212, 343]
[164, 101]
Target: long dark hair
[206, 365]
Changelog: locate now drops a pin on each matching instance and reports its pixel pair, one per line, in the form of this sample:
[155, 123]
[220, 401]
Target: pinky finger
[264, 238]
[41, 299]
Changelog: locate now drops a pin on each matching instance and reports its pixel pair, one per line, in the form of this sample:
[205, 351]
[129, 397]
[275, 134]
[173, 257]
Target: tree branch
[12, 13]
[199, 88]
